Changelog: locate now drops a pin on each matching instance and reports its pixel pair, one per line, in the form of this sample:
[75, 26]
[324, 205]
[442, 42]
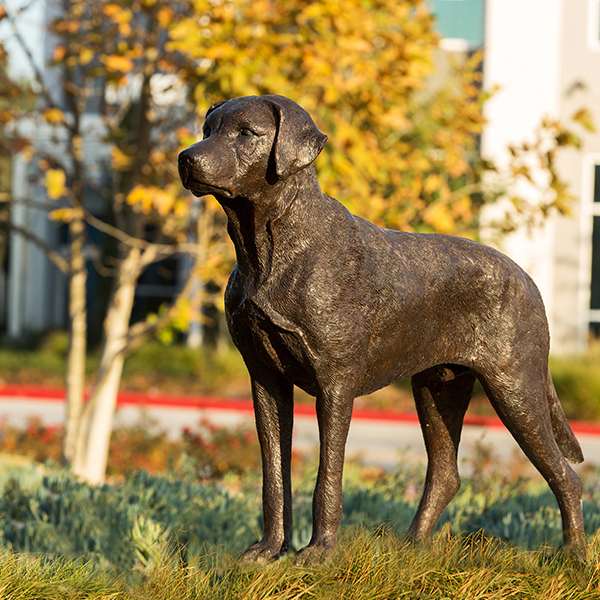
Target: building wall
[37, 290]
[545, 56]
[32, 302]
[579, 88]
[522, 57]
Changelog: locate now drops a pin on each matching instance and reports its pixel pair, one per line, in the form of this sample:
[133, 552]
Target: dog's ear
[298, 141]
[214, 107]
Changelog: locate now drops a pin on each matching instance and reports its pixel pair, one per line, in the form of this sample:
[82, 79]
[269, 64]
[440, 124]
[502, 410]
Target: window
[590, 230]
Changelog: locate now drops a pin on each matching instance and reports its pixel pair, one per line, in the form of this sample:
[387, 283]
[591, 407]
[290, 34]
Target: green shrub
[148, 515]
[175, 369]
[180, 370]
[577, 382]
[126, 525]
[183, 369]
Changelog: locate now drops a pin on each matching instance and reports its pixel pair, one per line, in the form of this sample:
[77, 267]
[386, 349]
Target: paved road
[377, 442]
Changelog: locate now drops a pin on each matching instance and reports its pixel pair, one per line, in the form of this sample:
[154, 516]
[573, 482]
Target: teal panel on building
[462, 19]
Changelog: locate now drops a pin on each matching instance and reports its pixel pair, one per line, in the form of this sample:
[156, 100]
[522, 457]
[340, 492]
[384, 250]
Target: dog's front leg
[273, 409]
[334, 411]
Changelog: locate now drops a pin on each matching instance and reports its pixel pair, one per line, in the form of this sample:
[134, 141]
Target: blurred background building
[545, 57]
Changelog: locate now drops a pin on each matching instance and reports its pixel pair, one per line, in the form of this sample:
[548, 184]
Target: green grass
[366, 566]
[577, 382]
[172, 535]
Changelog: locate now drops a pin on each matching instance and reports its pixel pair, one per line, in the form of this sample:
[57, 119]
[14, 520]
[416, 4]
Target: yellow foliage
[584, 117]
[54, 116]
[59, 53]
[403, 149]
[111, 10]
[86, 56]
[62, 214]
[119, 160]
[432, 183]
[55, 182]
[118, 64]
[149, 198]
[165, 16]
[355, 66]
[462, 209]
[439, 216]
[181, 208]
[185, 138]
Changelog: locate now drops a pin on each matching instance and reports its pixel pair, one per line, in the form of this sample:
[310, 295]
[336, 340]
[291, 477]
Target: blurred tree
[15, 97]
[118, 92]
[402, 151]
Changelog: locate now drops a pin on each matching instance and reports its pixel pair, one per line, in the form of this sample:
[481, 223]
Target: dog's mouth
[197, 187]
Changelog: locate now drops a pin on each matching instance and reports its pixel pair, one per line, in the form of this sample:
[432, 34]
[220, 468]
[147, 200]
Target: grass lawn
[366, 566]
[174, 534]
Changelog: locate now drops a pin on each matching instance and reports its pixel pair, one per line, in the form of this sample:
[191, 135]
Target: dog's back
[462, 301]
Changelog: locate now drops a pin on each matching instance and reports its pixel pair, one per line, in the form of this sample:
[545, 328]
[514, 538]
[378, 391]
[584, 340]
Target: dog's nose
[184, 163]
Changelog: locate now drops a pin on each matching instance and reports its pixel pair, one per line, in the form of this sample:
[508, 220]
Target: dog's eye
[247, 132]
[206, 133]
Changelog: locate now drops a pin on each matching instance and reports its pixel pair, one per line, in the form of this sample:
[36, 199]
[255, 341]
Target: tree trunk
[204, 233]
[96, 424]
[75, 374]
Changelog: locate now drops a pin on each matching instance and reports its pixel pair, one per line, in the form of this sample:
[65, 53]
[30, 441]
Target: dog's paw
[575, 547]
[261, 553]
[313, 555]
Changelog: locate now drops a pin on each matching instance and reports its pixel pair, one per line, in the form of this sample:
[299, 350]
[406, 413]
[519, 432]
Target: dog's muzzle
[184, 167]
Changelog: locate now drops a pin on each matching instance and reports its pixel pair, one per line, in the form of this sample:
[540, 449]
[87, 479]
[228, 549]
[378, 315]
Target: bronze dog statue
[329, 302]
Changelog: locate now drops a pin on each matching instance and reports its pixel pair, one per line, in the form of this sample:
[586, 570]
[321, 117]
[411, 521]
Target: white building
[545, 55]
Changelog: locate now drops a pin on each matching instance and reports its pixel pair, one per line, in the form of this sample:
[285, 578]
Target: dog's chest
[267, 339]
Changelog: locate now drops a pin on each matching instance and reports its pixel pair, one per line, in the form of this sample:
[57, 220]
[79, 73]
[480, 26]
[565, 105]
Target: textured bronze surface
[329, 302]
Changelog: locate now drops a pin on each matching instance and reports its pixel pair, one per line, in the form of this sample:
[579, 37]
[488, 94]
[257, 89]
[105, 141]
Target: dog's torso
[346, 299]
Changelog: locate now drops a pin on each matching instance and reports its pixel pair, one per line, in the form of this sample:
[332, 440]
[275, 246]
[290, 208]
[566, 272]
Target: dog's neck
[251, 223]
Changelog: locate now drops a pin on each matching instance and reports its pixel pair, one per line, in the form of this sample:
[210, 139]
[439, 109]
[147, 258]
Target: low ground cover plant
[128, 524]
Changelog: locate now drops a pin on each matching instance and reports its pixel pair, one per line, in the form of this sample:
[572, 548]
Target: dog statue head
[249, 144]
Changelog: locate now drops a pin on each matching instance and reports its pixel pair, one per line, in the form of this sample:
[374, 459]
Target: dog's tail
[565, 438]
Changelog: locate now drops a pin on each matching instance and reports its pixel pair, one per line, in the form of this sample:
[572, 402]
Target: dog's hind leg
[273, 409]
[442, 395]
[522, 405]
[565, 438]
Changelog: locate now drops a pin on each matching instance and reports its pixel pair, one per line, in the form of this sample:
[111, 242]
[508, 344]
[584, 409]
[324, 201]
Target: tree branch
[55, 257]
[43, 206]
[100, 267]
[139, 332]
[134, 242]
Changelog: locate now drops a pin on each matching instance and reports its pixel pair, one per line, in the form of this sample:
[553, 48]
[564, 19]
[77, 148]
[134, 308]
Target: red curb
[245, 405]
[26, 391]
